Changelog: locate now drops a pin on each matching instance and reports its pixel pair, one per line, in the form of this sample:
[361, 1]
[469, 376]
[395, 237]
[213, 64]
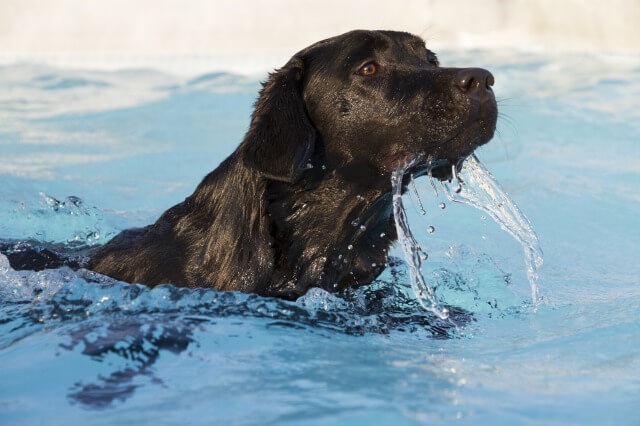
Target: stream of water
[476, 187]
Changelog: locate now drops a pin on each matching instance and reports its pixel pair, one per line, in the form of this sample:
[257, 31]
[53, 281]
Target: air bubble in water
[382, 235]
[442, 206]
[350, 247]
[431, 229]
[363, 228]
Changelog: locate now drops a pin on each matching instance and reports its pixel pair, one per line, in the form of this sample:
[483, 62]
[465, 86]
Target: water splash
[415, 192]
[475, 186]
[68, 221]
[412, 251]
[456, 180]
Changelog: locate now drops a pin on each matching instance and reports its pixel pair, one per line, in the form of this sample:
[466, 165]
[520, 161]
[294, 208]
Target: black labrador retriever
[277, 216]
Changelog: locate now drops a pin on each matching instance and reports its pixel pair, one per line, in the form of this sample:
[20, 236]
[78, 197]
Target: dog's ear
[281, 138]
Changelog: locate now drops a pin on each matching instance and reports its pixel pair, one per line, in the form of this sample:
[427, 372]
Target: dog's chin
[444, 157]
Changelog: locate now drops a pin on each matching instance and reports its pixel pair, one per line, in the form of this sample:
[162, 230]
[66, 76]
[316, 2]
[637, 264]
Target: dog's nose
[475, 82]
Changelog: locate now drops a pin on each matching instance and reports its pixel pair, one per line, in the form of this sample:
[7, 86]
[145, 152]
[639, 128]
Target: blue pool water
[85, 154]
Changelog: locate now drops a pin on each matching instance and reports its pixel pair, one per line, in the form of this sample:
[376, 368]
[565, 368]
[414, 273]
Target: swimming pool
[88, 153]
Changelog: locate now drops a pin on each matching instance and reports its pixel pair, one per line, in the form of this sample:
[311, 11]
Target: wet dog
[305, 200]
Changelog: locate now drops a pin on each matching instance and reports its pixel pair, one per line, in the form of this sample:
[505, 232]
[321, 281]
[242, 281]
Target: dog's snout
[475, 82]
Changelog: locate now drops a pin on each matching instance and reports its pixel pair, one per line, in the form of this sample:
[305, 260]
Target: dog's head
[369, 101]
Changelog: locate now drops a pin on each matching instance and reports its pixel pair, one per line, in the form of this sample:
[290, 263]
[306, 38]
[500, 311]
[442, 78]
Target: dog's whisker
[508, 102]
[506, 120]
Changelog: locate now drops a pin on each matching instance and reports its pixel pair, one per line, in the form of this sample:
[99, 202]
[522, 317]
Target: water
[85, 154]
[483, 192]
[411, 249]
[480, 191]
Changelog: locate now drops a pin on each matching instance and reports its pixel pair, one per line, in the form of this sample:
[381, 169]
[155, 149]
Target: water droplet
[339, 257]
[309, 166]
[382, 235]
[373, 265]
[363, 228]
[424, 256]
[483, 217]
[325, 168]
[431, 229]
[415, 191]
[456, 179]
[354, 222]
[442, 205]
[335, 285]
[433, 184]
[359, 197]
[350, 247]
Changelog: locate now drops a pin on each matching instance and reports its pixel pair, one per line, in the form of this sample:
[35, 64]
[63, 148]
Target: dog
[305, 200]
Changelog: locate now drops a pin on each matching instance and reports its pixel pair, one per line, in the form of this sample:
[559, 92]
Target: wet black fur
[277, 216]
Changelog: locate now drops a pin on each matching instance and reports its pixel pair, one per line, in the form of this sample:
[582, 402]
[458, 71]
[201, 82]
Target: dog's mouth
[448, 156]
[441, 169]
[442, 160]
[417, 165]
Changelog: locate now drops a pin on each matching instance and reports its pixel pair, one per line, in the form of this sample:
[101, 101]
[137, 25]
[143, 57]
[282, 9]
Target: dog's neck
[353, 253]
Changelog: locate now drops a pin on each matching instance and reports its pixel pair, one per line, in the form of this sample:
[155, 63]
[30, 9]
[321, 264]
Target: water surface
[88, 153]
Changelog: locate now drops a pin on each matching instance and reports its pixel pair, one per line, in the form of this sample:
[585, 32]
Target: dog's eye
[369, 68]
